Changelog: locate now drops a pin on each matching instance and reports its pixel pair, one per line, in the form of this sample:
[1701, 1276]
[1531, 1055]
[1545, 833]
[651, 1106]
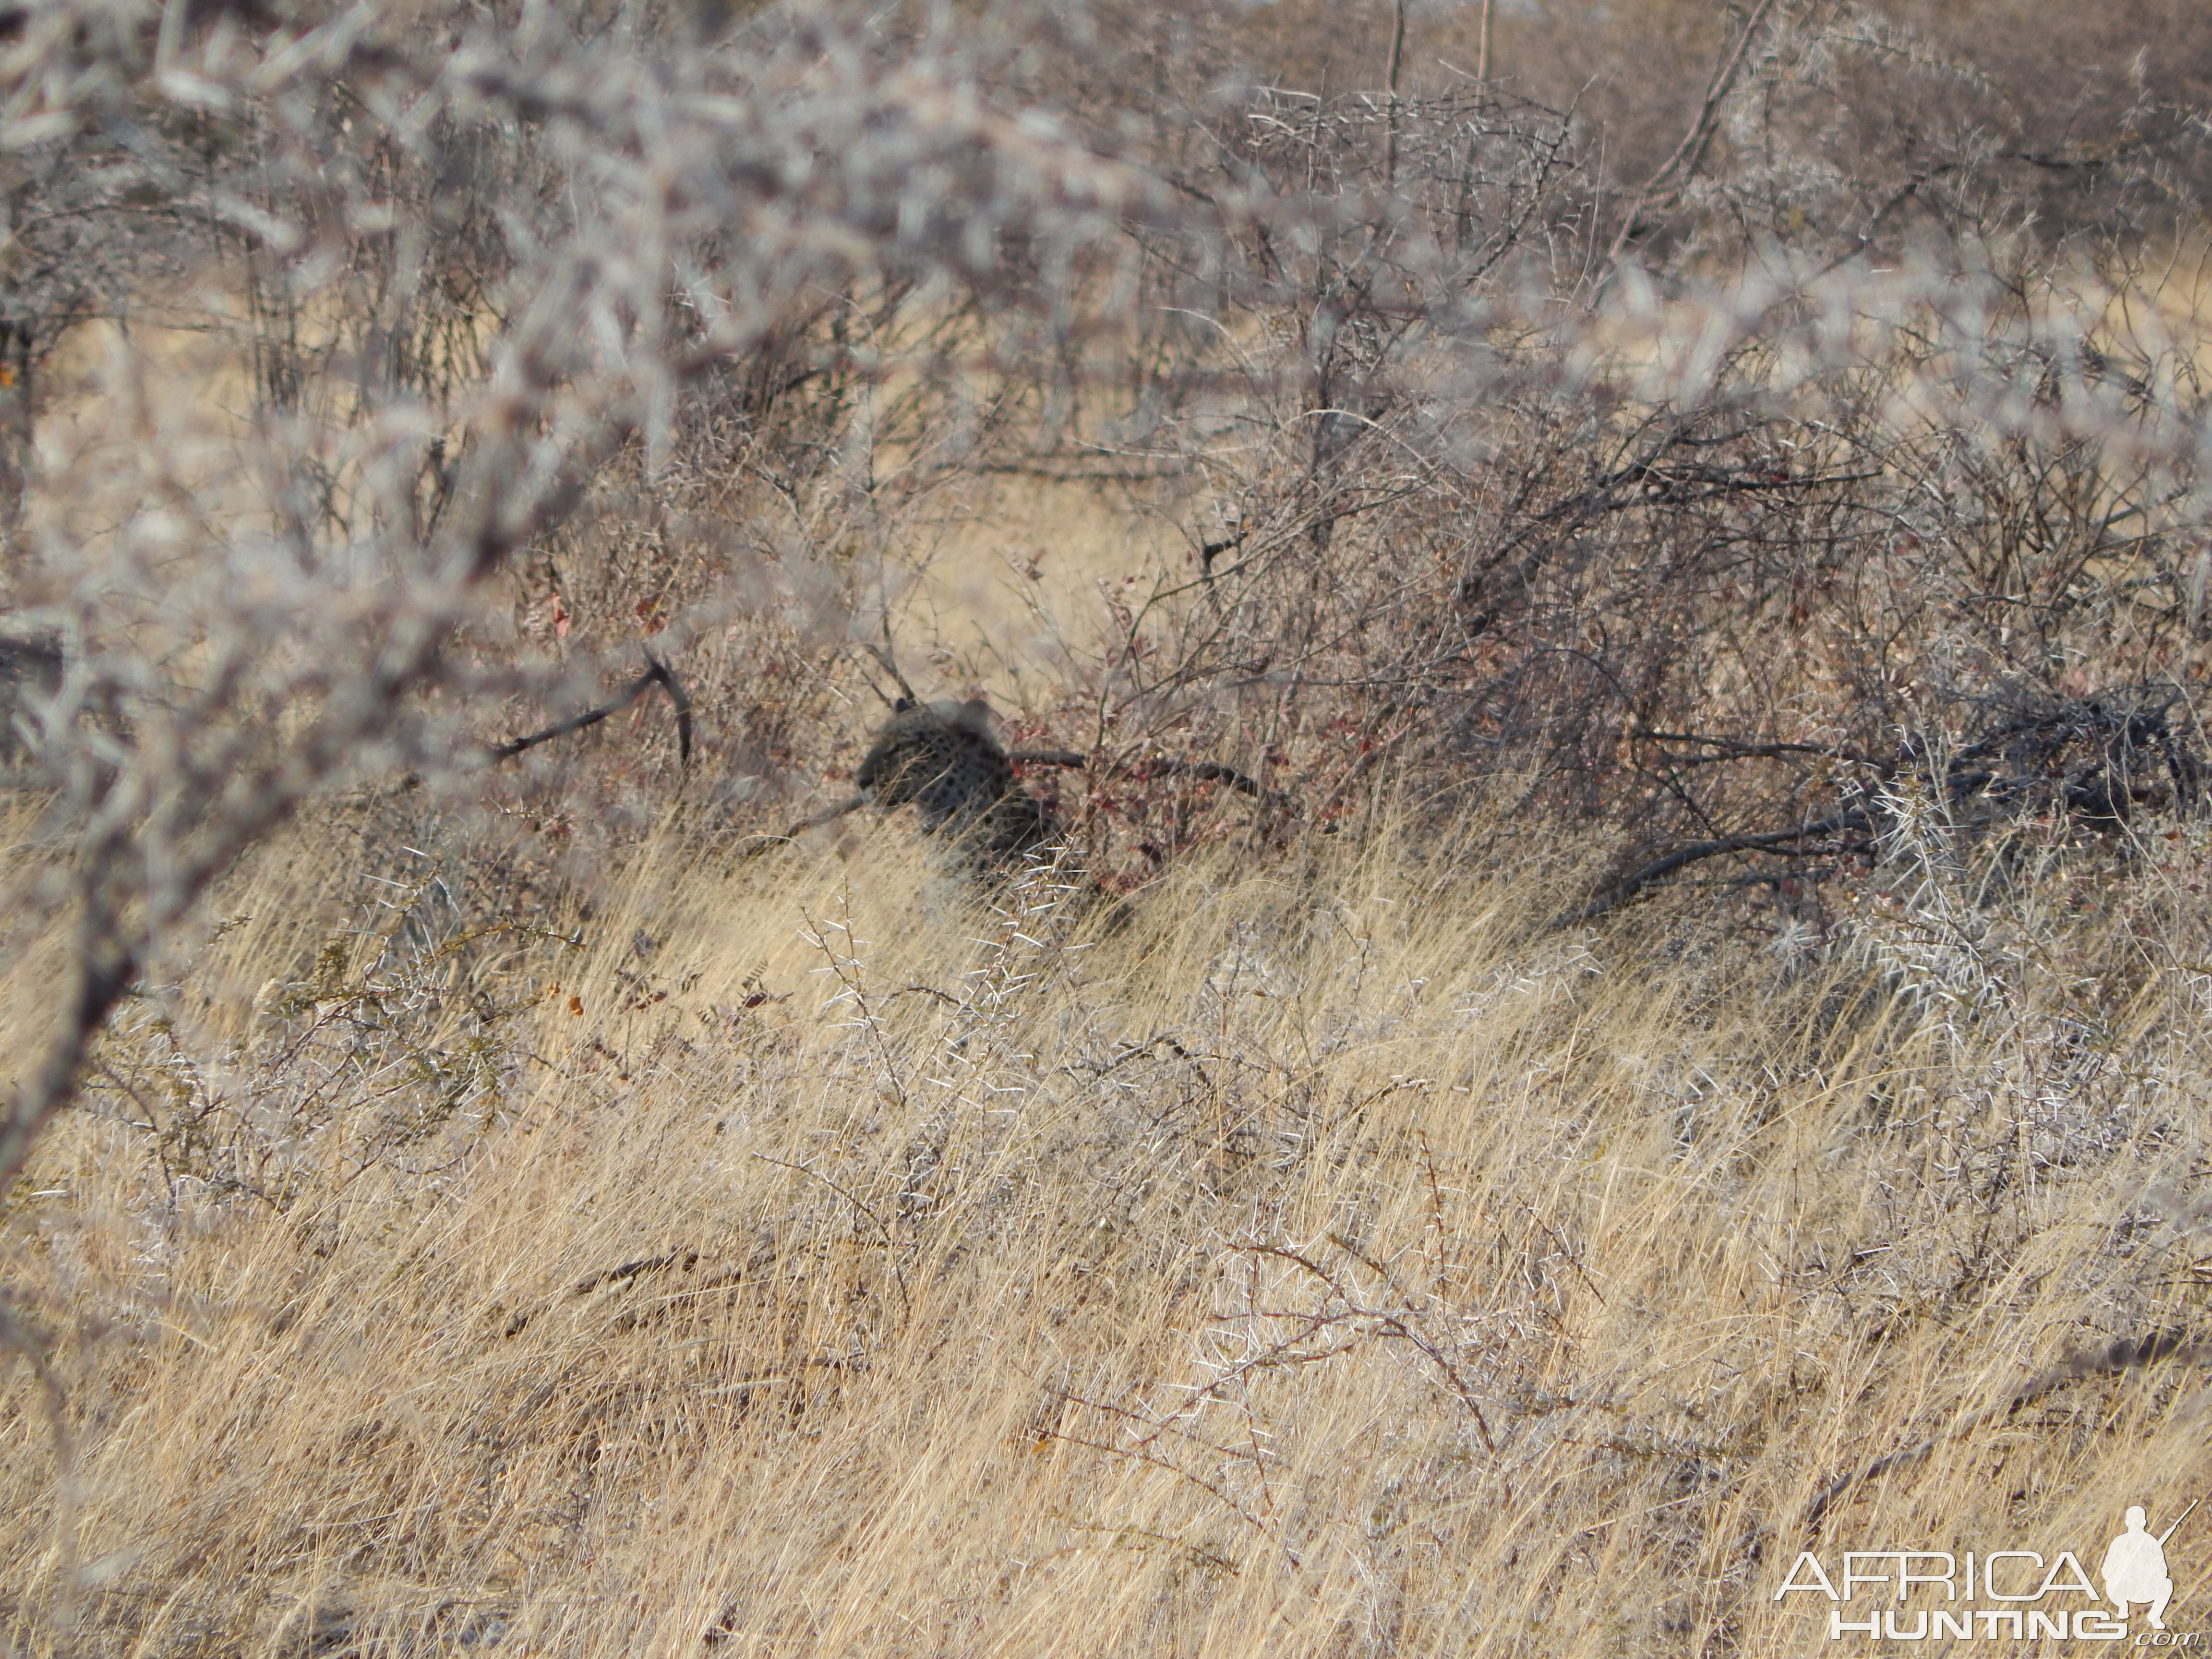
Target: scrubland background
[1689, 518]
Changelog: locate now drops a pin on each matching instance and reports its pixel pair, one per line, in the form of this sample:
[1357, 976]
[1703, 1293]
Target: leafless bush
[482, 259]
[1792, 484]
[1487, 480]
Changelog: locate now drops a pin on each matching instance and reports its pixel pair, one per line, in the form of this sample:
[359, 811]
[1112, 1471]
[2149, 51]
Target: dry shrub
[1704, 990]
[1327, 1266]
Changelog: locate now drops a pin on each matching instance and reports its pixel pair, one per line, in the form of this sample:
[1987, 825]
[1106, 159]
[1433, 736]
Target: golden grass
[1324, 1262]
[1011, 576]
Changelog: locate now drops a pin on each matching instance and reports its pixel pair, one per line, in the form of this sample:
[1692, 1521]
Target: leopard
[942, 759]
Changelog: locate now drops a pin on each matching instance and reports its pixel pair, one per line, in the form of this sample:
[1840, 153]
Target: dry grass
[490, 1214]
[1014, 581]
[807, 1262]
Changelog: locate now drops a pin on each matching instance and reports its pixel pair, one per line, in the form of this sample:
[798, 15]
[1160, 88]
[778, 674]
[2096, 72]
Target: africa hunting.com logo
[2034, 1599]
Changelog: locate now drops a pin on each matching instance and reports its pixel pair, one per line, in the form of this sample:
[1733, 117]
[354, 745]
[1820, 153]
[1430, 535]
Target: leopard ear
[900, 705]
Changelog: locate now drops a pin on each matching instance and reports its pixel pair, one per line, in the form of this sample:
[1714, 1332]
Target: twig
[1734, 749]
[1626, 889]
[2126, 1354]
[1391, 1324]
[657, 674]
[861, 1206]
[1690, 154]
[1204, 771]
[889, 663]
[1397, 63]
[826, 814]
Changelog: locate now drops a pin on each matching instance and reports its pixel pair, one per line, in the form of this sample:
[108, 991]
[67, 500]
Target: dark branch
[659, 674]
[1207, 772]
[2128, 1353]
[1852, 819]
[1731, 748]
[826, 814]
[1204, 771]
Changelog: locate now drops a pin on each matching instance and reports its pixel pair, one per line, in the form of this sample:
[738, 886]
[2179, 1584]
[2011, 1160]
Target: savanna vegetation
[1612, 599]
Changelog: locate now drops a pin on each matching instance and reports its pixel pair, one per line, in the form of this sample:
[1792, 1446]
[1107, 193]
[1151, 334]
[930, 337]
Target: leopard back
[942, 759]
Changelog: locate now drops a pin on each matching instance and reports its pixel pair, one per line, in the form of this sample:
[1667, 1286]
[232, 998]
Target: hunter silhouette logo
[2135, 1567]
[2032, 1598]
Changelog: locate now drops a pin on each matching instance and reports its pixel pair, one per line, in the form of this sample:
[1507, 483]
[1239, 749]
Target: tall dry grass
[799, 1257]
[479, 1211]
